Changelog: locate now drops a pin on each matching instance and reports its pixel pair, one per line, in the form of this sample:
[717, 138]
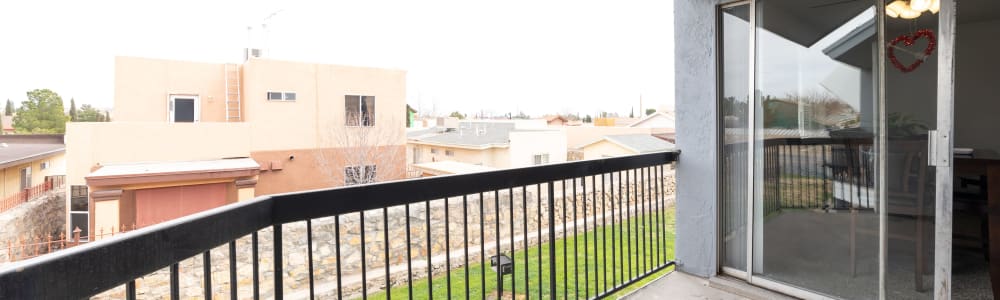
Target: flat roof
[179, 167]
[451, 167]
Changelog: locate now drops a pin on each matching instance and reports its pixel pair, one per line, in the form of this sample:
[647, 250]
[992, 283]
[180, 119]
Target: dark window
[359, 110]
[289, 96]
[26, 178]
[359, 175]
[184, 110]
[80, 220]
[274, 96]
[79, 210]
[79, 199]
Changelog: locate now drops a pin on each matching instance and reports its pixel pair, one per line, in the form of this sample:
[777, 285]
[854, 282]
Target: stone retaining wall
[32, 223]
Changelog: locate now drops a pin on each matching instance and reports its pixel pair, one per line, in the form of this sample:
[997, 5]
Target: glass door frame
[941, 161]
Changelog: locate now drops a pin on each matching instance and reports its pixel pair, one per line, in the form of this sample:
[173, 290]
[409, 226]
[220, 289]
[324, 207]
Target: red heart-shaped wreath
[908, 40]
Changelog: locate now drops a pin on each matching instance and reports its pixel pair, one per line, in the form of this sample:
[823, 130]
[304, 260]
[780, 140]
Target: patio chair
[907, 197]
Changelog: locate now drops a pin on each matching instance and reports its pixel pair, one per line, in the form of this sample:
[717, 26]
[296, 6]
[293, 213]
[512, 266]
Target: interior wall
[976, 95]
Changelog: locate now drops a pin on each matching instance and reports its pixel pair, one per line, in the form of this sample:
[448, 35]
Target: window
[541, 158]
[184, 109]
[434, 151]
[79, 209]
[26, 178]
[359, 175]
[449, 152]
[281, 96]
[274, 96]
[43, 166]
[359, 110]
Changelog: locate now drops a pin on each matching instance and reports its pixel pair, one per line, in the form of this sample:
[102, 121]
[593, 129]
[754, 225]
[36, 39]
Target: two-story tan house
[189, 136]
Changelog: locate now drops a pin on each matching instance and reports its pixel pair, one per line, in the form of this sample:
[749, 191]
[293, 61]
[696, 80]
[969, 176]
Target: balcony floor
[680, 285]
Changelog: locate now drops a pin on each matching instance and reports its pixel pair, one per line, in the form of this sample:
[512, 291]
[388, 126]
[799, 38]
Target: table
[989, 165]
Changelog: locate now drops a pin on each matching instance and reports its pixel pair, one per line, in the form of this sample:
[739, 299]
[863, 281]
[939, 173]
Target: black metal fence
[577, 229]
[831, 173]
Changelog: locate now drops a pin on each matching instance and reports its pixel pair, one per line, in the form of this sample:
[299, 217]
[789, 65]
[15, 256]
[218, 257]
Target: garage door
[161, 204]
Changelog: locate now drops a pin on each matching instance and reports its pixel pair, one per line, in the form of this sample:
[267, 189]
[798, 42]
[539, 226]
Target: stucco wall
[11, 176]
[604, 149]
[524, 145]
[322, 168]
[486, 157]
[143, 85]
[695, 98]
[317, 117]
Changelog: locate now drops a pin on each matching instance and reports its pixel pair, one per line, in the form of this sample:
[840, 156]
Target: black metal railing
[577, 229]
[830, 173]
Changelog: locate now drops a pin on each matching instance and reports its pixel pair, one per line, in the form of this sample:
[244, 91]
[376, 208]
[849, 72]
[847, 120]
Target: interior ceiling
[807, 21]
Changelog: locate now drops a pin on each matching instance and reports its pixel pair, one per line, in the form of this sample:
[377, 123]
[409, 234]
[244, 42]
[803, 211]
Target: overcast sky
[500, 56]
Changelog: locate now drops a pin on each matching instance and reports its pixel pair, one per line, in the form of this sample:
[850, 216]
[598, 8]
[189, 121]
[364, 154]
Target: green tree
[41, 113]
[10, 108]
[588, 119]
[650, 111]
[90, 114]
[72, 110]
[631, 112]
[456, 114]
[107, 116]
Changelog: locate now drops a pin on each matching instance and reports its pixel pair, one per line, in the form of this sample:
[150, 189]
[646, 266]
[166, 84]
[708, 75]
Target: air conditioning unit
[251, 52]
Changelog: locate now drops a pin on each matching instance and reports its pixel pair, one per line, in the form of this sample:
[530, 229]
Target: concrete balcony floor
[680, 285]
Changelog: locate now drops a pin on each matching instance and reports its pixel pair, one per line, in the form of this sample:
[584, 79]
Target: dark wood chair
[970, 198]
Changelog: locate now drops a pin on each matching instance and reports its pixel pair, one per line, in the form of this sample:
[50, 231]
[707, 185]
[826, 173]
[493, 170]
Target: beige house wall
[143, 87]
[319, 106]
[269, 131]
[524, 145]
[11, 176]
[496, 157]
[91, 144]
[604, 149]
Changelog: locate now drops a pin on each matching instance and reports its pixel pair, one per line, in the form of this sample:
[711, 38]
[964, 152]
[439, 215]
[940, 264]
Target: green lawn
[577, 281]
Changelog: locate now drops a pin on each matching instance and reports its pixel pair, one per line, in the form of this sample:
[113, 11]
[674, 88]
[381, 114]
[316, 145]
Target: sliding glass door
[815, 206]
[734, 22]
[826, 186]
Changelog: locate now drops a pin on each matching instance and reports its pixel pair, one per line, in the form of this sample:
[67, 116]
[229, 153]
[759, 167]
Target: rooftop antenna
[264, 36]
[263, 27]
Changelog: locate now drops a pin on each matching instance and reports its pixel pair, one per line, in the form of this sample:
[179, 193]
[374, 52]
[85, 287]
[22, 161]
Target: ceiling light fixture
[911, 9]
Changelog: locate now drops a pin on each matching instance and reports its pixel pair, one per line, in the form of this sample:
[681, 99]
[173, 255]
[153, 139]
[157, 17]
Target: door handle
[938, 149]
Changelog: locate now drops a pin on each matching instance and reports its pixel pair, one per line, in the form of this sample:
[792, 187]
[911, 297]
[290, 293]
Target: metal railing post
[552, 242]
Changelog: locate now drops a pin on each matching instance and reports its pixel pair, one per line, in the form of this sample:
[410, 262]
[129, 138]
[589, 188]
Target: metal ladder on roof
[234, 113]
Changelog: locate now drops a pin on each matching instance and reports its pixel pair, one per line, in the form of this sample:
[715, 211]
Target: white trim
[787, 289]
[734, 272]
[472, 147]
[650, 116]
[943, 218]
[751, 137]
[170, 106]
